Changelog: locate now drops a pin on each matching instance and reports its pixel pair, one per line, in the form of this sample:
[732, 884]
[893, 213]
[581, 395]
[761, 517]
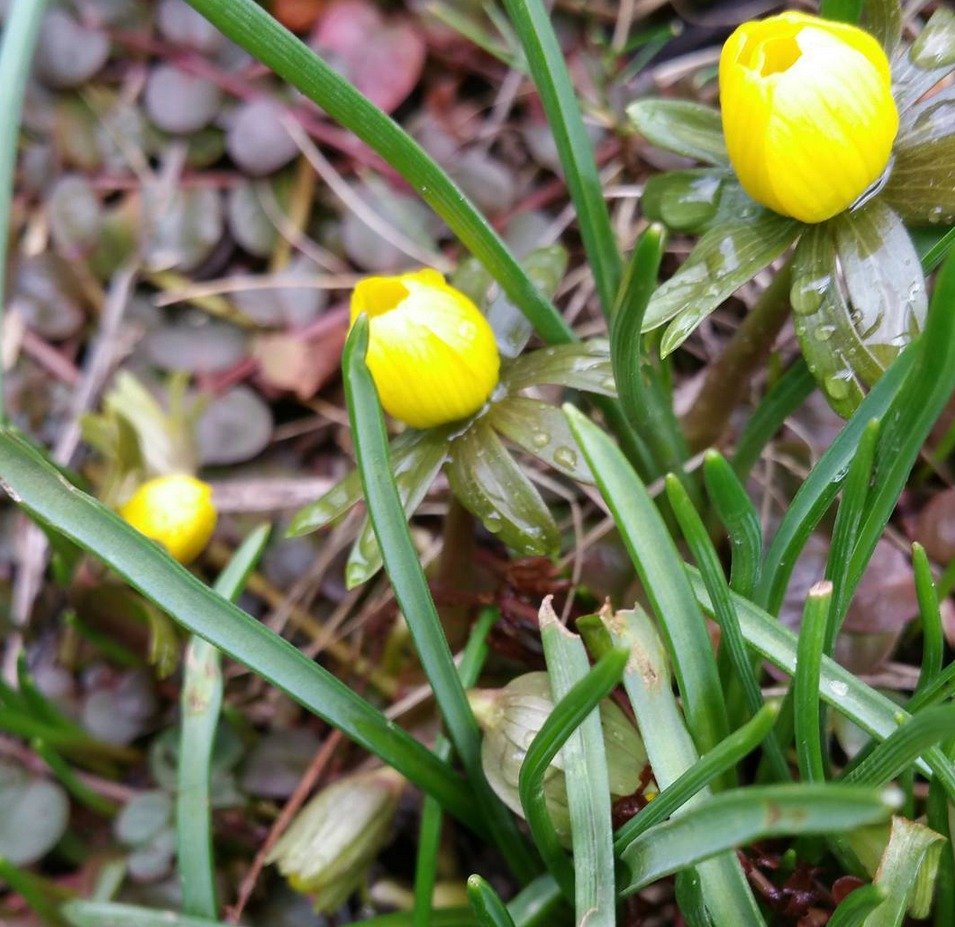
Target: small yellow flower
[431, 352]
[808, 113]
[176, 511]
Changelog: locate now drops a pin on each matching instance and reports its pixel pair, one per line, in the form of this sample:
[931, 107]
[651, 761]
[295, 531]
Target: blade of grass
[866, 707]
[903, 747]
[786, 395]
[566, 717]
[487, 905]
[740, 519]
[200, 704]
[545, 58]
[908, 421]
[745, 815]
[661, 572]
[429, 833]
[413, 596]
[249, 25]
[586, 777]
[847, 11]
[49, 499]
[806, 717]
[933, 636]
[642, 398]
[20, 31]
[845, 531]
[74, 784]
[724, 756]
[698, 540]
[39, 894]
[672, 754]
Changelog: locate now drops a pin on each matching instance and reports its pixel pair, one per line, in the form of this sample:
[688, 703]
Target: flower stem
[728, 377]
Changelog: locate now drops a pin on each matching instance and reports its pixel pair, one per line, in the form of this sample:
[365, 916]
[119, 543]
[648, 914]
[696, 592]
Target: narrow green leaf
[586, 778]
[487, 905]
[412, 593]
[739, 517]
[414, 472]
[672, 755]
[723, 260]
[743, 816]
[698, 540]
[689, 129]
[568, 714]
[932, 245]
[532, 23]
[903, 747]
[933, 635]
[40, 490]
[110, 914]
[20, 31]
[855, 908]
[660, 568]
[724, 756]
[845, 531]
[249, 25]
[65, 773]
[200, 704]
[487, 481]
[429, 832]
[812, 641]
[642, 397]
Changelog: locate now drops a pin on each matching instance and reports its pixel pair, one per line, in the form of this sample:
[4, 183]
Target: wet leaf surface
[490, 484]
[585, 366]
[686, 128]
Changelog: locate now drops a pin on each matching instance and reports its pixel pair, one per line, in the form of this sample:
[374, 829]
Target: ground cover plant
[477, 464]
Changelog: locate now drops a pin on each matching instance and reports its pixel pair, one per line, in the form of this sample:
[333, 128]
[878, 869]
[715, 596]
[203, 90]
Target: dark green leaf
[689, 129]
[722, 261]
[488, 482]
[487, 905]
[585, 366]
[854, 909]
[540, 429]
[922, 185]
[935, 45]
[846, 11]
[932, 245]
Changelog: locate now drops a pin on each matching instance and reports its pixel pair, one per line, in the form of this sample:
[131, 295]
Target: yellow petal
[808, 113]
[431, 352]
[175, 511]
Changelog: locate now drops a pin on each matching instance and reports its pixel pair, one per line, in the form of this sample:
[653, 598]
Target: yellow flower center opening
[383, 294]
[780, 55]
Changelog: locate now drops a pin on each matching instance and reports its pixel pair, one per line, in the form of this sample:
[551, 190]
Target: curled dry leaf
[302, 366]
[935, 528]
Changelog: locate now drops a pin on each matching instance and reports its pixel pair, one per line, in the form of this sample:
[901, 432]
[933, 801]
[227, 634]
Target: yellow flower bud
[431, 352]
[808, 113]
[176, 511]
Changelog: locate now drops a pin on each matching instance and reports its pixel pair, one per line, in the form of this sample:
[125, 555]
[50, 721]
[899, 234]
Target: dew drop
[838, 386]
[540, 439]
[565, 457]
[839, 689]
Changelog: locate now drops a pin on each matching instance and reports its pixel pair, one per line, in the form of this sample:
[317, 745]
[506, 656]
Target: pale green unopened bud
[328, 848]
[511, 718]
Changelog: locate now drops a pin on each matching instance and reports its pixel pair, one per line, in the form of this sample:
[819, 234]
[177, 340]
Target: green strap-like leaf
[47, 497]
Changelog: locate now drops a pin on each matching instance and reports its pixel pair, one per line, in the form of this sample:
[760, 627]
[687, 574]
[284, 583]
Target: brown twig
[297, 799]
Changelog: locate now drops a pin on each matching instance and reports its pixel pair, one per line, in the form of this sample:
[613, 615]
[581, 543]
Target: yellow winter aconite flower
[431, 352]
[808, 113]
[176, 511]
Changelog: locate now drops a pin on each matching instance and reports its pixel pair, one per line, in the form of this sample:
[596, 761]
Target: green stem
[728, 377]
